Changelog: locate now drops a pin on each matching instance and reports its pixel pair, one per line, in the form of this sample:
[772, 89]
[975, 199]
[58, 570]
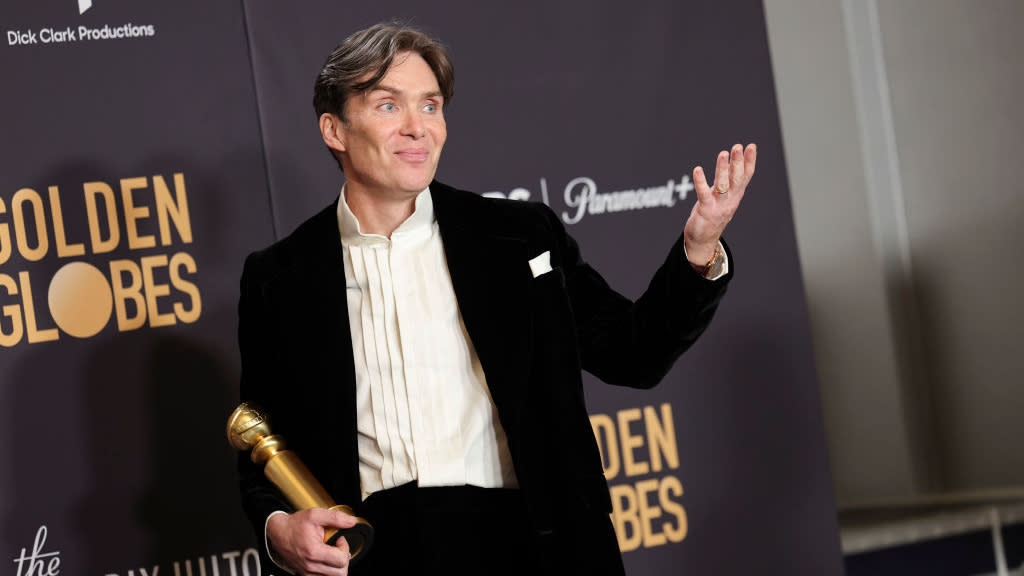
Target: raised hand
[716, 205]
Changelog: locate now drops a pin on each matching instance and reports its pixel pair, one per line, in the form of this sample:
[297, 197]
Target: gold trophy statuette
[248, 430]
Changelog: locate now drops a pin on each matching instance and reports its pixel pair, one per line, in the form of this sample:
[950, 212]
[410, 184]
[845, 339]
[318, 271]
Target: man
[420, 347]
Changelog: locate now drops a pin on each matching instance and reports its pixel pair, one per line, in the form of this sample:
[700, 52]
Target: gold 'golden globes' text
[639, 451]
[127, 262]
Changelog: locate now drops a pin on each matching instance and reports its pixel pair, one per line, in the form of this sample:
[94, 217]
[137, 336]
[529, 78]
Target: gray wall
[902, 126]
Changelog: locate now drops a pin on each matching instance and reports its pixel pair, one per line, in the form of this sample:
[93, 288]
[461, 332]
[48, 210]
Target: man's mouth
[413, 155]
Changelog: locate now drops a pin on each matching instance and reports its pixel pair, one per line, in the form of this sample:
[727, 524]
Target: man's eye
[388, 107]
[430, 108]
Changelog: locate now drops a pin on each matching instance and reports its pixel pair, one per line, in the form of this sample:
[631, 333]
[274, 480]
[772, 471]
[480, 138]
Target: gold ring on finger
[720, 189]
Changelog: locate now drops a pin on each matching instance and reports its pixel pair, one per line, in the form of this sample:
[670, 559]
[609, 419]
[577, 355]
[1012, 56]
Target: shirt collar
[418, 223]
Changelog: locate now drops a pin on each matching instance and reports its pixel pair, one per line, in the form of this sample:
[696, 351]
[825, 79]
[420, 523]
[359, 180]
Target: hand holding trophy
[248, 429]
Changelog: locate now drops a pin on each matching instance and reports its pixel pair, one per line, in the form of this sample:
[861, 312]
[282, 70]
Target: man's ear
[332, 131]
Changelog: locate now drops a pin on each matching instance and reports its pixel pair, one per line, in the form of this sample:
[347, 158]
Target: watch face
[716, 265]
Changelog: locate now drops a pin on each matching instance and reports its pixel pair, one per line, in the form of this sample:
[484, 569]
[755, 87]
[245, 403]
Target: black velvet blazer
[533, 337]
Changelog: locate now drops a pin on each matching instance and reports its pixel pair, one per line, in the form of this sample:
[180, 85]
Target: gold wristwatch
[716, 264]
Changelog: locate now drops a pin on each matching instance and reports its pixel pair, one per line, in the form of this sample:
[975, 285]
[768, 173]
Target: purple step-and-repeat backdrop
[148, 147]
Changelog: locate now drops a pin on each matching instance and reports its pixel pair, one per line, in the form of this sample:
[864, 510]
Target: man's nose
[412, 124]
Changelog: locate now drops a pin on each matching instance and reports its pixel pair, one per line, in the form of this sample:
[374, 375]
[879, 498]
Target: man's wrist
[699, 254]
[714, 266]
[269, 545]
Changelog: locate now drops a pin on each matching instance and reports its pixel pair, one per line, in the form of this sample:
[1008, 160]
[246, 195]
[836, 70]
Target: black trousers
[446, 530]
[466, 530]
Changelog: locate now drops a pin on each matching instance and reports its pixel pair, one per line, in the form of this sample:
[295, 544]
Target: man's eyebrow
[396, 91]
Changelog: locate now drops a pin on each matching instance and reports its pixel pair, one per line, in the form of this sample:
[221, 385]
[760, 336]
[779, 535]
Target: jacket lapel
[321, 281]
[490, 275]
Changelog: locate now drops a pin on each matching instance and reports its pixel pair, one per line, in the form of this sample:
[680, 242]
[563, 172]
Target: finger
[749, 160]
[722, 173]
[332, 518]
[330, 557]
[342, 544]
[736, 167]
[700, 185]
[317, 569]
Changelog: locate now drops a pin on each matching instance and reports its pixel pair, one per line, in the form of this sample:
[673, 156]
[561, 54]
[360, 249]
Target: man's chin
[418, 184]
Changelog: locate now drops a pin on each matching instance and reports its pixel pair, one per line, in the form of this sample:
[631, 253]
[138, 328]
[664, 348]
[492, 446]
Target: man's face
[393, 133]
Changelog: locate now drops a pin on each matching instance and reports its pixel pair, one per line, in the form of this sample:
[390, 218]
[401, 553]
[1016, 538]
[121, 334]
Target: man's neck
[379, 213]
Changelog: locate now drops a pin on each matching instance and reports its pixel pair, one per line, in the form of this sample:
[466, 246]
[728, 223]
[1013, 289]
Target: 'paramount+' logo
[115, 254]
[582, 198]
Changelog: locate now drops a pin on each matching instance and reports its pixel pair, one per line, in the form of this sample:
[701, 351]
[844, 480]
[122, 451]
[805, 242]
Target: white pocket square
[541, 264]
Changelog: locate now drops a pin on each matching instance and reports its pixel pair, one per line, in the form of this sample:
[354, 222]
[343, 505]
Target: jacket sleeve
[636, 343]
[259, 374]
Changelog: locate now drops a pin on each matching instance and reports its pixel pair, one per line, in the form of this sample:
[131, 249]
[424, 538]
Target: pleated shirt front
[424, 411]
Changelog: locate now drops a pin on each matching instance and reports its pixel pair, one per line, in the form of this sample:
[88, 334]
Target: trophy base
[359, 537]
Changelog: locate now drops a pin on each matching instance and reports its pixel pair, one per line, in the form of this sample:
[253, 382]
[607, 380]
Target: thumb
[334, 519]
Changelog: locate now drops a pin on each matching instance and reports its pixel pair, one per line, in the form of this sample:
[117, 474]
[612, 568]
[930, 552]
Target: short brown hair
[369, 54]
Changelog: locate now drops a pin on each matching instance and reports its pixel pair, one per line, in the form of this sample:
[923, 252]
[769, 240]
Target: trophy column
[248, 429]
